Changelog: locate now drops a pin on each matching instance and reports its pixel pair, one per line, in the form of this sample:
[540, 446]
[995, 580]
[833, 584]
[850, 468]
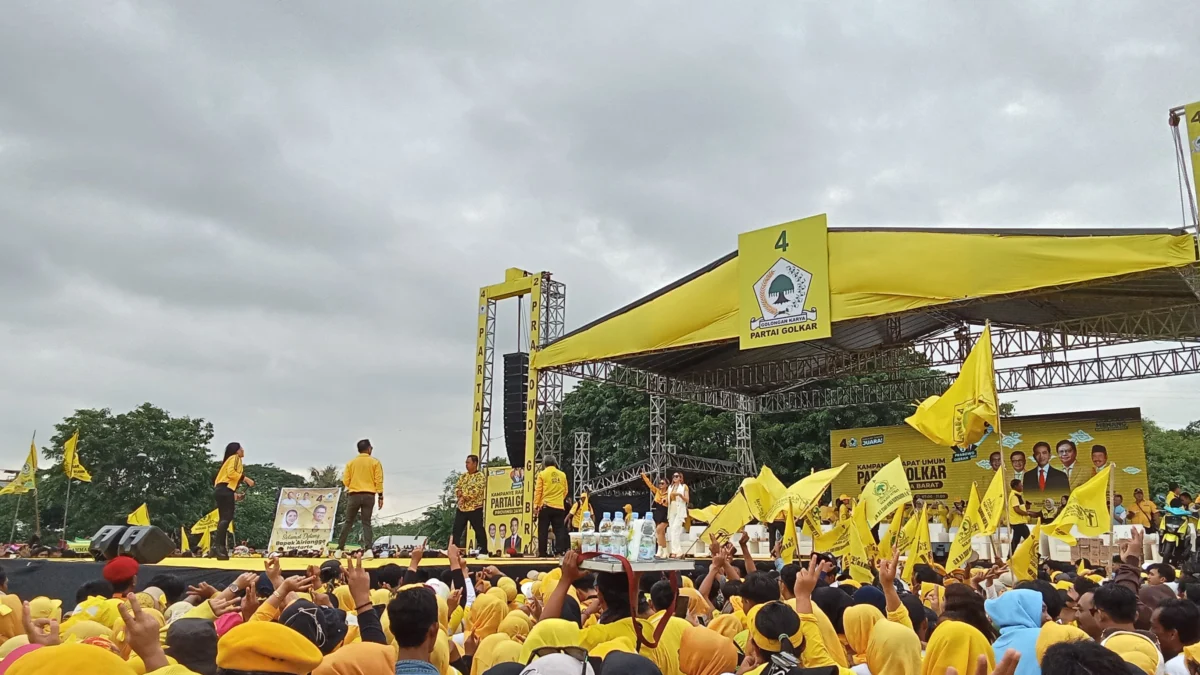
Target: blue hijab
[1018, 615]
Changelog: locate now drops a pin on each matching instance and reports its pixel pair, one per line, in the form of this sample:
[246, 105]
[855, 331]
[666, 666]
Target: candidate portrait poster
[304, 518]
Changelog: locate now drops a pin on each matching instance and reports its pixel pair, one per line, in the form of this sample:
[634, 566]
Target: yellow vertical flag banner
[863, 532]
[993, 505]
[1192, 113]
[857, 558]
[26, 479]
[140, 516]
[836, 541]
[811, 524]
[887, 491]
[184, 544]
[732, 518]
[791, 543]
[920, 550]
[1024, 562]
[959, 416]
[960, 548]
[1087, 507]
[205, 542]
[71, 465]
[783, 284]
[887, 543]
[209, 523]
[762, 492]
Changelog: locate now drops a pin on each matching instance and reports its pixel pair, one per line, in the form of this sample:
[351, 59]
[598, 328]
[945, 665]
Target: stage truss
[1116, 340]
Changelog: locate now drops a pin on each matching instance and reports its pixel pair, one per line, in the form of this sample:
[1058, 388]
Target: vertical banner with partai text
[783, 284]
[1191, 113]
[503, 509]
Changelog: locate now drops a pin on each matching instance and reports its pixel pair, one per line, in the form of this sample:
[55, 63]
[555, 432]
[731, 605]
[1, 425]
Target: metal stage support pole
[583, 460]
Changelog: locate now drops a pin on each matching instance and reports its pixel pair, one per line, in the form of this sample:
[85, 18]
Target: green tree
[144, 455]
[1172, 455]
[324, 476]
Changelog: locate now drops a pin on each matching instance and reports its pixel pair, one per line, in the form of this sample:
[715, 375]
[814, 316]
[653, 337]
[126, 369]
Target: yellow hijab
[1054, 633]
[696, 602]
[440, 658]
[955, 644]
[509, 587]
[443, 613]
[486, 615]
[550, 633]
[706, 652]
[726, 624]
[360, 658]
[494, 650]
[859, 621]
[515, 625]
[893, 649]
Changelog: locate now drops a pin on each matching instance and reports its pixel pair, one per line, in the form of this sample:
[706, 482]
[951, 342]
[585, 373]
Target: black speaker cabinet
[147, 545]
[105, 542]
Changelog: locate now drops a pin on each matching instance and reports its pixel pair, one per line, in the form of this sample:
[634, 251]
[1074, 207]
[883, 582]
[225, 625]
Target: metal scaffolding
[583, 460]
[553, 317]
[489, 354]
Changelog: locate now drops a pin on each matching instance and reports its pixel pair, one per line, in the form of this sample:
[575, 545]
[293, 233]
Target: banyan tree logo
[782, 292]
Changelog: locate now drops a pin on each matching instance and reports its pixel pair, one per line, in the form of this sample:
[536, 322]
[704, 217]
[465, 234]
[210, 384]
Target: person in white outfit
[678, 498]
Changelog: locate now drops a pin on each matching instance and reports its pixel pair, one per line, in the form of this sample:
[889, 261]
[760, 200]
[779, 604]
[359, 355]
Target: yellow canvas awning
[874, 273]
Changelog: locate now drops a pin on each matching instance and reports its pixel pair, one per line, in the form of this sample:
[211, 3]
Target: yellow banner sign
[1050, 454]
[1191, 113]
[304, 519]
[783, 278]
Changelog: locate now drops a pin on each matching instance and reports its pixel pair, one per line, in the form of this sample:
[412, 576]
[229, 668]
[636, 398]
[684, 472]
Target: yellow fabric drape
[922, 269]
[958, 645]
[893, 650]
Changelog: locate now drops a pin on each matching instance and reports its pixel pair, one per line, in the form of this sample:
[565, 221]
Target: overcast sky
[275, 215]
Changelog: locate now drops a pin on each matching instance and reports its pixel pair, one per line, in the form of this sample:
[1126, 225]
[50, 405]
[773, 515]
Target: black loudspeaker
[516, 389]
[105, 542]
[147, 545]
[940, 549]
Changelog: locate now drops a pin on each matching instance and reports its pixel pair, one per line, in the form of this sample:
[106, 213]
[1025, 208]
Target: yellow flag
[887, 544]
[1087, 507]
[958, 417]
[71, 465]
[184, 544]
[857, 558]
[208, 523]
[960, 549]
[811, 523]
[791, 543]
[862, 532]
[140, 516]
[1061, 532]
[26, 479]
[205, 542]
[762, 492]
[706, 514]
[992, 507]
[805, 493]
[1080, 570]
[886, 491]
[920, 550]
[732, 518]
[835, 541]
[1024, 562]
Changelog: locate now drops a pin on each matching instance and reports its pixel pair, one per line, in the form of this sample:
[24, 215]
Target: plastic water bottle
[631, 544]
[587, 533]
[605, 530]
[620, 535]
[648, 544]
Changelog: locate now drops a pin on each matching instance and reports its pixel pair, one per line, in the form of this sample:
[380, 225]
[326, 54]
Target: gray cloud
[275, 216]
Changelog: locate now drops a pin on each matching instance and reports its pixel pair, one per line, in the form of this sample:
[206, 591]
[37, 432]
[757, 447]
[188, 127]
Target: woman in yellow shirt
[659, 508]
[225, 494]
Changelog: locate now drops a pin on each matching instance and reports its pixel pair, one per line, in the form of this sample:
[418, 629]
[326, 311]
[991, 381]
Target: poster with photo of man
[304, 518]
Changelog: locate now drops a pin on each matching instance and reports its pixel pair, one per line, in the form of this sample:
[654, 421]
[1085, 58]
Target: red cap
[121, 568]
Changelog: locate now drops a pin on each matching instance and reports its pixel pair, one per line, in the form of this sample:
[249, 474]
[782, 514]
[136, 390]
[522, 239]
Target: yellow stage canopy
[874, 273]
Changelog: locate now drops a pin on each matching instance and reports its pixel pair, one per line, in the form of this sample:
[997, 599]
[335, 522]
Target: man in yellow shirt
[1018, 517]
[363, 479]
[549, 507]
[1142, 511]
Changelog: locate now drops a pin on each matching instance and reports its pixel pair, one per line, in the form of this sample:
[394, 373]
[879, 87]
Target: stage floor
[243, 564]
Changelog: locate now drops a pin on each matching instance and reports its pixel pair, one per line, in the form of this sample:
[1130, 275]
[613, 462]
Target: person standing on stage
[469, 491]
[225, 494]
[678, 497]
[659, 509]
[363, 479]
[550, 507]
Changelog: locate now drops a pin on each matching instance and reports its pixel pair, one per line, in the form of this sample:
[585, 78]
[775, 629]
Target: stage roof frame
[1055, 294]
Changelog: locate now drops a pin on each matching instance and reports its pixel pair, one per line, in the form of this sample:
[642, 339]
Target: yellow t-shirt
[551, 490]
[230, 473]
[1014, 518]
[666, 656]
[363, 474]
[1141, 512]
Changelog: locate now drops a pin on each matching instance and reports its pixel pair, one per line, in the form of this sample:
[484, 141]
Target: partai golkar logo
[781, 293]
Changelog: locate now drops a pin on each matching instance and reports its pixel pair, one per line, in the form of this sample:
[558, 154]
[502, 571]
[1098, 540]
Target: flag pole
[13, 535]
[66, 508]
[37, 505]
[1112, 509]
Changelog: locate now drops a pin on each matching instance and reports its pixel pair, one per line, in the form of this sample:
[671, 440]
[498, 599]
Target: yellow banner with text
[783, 284]
[1050, 454]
